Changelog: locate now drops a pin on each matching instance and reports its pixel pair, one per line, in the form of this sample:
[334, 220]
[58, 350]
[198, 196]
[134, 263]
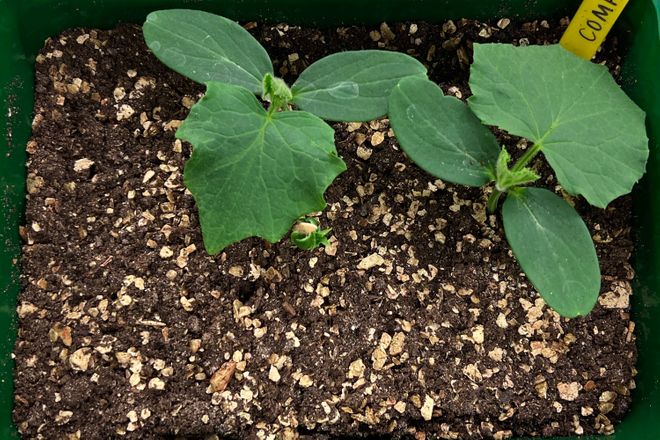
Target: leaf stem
[277, 104]
[527, 157]
[493, 199]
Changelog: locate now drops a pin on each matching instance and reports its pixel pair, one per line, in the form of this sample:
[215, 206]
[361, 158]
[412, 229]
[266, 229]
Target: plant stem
[277, 104]
[493, 199]
[527, 157]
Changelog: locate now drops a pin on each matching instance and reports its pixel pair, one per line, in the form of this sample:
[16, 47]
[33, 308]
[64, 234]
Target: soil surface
[416, 322]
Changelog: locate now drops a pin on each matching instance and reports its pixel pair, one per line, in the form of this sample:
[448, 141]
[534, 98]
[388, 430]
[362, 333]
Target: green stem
[493, 200]
[527, 157]
[277, 104]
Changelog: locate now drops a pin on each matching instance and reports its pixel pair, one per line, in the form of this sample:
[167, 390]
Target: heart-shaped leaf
[554, 248]
[592, 134]
[353, 85]
[254, 174]
[441, 134]
[206, 47]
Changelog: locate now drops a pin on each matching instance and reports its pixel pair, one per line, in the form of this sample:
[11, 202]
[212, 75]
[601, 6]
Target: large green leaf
[206, 47]
[353, 85]
[254, 174]
[554, 248]
[592, 134]
[441, 134]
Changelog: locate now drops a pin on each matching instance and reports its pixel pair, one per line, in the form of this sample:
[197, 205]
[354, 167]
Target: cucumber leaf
[506, 178]
[353, 85]
[440, 133]
[206, 47]
[591, 133]
[310, 240]
[554, 248]
[254, 174]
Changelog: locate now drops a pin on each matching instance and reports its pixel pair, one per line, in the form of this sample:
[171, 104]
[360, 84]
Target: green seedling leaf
[307, 235]
[506, 178]
[441, 134]
[353, 85]
[254, 173]
[206, 47]
[591, 133]
[554, 248]
[276, 91]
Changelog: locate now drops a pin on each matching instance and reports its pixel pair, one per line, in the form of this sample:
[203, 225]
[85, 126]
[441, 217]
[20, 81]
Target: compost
[415, 322]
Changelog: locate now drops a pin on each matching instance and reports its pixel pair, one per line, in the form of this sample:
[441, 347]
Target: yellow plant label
[590, 26]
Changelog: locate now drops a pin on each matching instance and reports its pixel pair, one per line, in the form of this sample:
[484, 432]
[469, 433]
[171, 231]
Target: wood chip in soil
[416, 322]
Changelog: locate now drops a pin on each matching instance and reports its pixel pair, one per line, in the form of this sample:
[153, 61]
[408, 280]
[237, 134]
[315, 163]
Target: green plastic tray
[24, 24]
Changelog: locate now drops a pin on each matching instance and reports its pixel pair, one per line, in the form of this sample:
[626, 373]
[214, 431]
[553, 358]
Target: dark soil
[416, 311]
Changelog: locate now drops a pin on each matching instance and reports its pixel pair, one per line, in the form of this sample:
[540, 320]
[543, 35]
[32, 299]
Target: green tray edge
[19, 43]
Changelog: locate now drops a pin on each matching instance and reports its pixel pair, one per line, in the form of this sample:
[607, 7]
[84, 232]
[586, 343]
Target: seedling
[254, 171]
[592, 135]
[307, 234]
